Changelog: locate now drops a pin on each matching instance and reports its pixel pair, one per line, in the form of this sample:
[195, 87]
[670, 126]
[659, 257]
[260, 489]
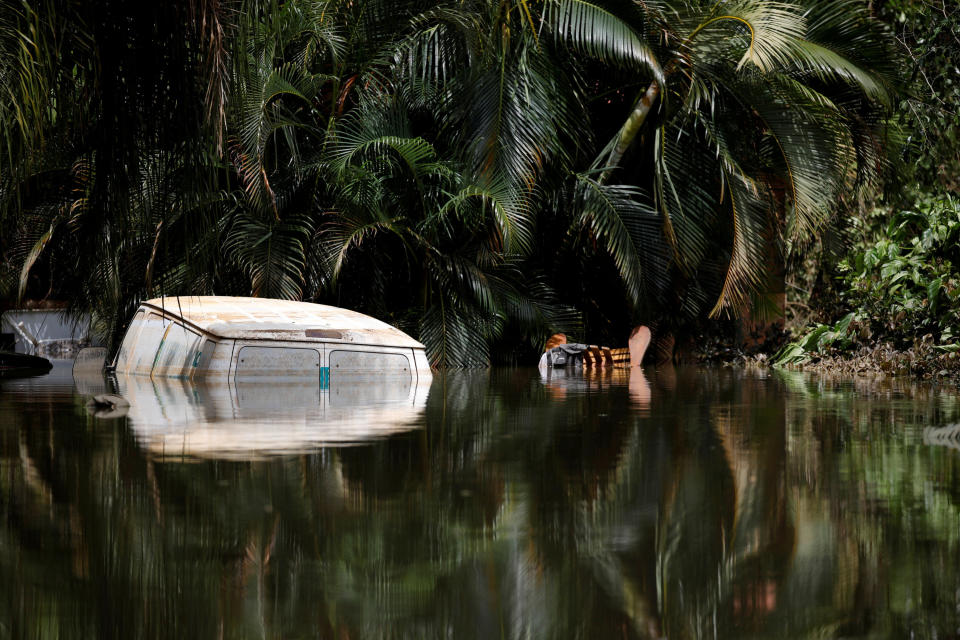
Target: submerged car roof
[269, 319]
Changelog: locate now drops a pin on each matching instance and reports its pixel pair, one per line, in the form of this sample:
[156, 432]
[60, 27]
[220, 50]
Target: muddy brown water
[688, 503]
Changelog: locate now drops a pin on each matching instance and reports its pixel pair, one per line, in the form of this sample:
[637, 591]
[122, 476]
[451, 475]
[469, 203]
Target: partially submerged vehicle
[50, 332]
[260, 340]
[21, 365]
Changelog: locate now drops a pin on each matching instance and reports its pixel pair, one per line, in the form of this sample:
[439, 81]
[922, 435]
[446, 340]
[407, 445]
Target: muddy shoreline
[881, 361]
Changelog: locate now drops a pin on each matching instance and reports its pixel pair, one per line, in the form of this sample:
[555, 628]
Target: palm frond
[271, 253]
[511, 117]
[687, 190]
[455, 337]
[511, 212]
[343, 233]
[33, 254]
[616, 215]
[750, 238]
[528, 303]
[430, 62]
[770, 29]
[593, 31]
[853, 46]
[828, 65]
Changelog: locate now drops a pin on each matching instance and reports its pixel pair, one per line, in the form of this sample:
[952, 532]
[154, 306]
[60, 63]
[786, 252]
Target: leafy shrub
[901, 285]
[819, 338]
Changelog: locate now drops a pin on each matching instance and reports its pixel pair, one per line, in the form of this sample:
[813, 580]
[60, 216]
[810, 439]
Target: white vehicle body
[40, 331]
[259, 340]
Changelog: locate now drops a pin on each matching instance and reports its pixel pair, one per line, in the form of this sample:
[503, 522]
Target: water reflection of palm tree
[716, 528]
[510, 513]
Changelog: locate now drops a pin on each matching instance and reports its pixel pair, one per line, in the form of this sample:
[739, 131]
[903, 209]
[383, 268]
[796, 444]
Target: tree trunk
[630, 129]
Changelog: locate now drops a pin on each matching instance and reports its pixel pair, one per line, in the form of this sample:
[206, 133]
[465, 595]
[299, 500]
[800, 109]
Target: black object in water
[21, 365]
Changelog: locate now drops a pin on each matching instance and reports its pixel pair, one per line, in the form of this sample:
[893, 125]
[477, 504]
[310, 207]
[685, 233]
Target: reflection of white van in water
[174, 418]
[253, 339]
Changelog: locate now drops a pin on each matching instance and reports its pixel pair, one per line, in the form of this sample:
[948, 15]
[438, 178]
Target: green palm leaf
[614, 214]
[595, 32]
[271, 253]
[750, 238]
[770, 28]
[511, 213]
[454, 337]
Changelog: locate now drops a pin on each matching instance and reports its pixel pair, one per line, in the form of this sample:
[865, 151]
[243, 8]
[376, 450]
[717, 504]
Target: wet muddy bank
[875, 361]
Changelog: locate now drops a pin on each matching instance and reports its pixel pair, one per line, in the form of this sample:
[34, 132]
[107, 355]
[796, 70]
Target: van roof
[269, 319]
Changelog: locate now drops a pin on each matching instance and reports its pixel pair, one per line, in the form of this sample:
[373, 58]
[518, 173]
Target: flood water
[688, 503]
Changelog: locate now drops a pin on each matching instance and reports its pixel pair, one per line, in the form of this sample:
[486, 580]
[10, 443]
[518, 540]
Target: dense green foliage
[908, 282]
[892, 278]
[469, 171]
[901, 284]
[928, 32]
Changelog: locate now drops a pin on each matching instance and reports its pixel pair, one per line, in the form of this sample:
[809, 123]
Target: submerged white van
[260, 340]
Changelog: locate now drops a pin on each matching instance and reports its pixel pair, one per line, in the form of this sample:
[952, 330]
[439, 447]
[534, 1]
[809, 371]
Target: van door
[368, 377]
[277, 363]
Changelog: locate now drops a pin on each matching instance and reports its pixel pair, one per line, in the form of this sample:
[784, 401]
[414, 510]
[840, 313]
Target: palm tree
[744, 110]
[186, 179]
[102, 105]
[410, 238]
[444, 166]
[464, 135]
[788, 99]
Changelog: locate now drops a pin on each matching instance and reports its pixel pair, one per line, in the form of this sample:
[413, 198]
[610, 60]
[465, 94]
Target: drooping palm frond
[530, 304]
[48, 222]
[271, 252]
[34, 253]
[751, 236]
[214, 23]
[454, 336]
[259, 117]
[429, 63]
[595, 32]
[471, 306]
[843, 44]
[690, 207]
[626, 226]
[511, 213]
[349, 229]
[312, 33]
[495, 91]
[815, 149]
[514, 117]
[769, 30]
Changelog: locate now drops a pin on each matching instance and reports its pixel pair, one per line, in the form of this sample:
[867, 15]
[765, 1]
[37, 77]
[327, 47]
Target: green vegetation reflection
[685, 504]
